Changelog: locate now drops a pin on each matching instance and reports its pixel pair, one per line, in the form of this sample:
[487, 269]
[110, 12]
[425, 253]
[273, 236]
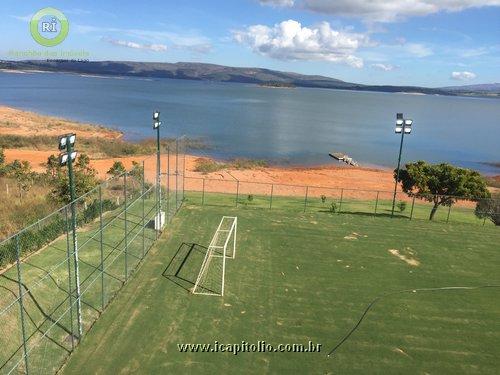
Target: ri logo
[49, 27]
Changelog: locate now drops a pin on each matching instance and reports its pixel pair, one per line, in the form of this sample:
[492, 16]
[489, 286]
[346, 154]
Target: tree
[489, 209]
[52, 167]
[441, 184]
[85, 180]
[116, 169]
[21, 172]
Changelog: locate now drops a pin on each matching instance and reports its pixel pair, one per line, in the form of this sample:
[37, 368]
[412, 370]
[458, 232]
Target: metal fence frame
[306, 197]
[135, 216]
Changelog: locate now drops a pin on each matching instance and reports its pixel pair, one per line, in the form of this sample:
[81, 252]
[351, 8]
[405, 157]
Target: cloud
[288, 40]
[384, 67]
[23, 18]
[384, 10]
[278, 3]
[128, 44]
[418, 49]
[463, 76]
[189, 41]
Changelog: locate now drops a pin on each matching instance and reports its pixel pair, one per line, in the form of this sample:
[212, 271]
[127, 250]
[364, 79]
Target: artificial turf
[301, 277]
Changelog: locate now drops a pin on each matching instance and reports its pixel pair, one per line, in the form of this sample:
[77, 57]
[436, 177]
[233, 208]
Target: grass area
[205, 165]
[97, 147]
[51, 324]
[363, 207]
[307, 276]
[20, 210]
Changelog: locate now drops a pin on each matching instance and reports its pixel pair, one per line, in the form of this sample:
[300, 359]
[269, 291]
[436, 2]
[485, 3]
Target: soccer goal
[211, 278]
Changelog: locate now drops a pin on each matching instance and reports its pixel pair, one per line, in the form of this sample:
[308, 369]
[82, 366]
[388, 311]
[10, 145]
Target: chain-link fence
[224, 192]
[61, 272]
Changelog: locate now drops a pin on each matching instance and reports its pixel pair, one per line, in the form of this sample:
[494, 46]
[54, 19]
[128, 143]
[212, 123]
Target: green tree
[85, 180]
[116, 169]
[52, 167]
[489, 209]
[22, 173]
[441, 184]
[137, 170]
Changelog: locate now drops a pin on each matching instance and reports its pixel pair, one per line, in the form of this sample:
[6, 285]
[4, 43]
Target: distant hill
[485, 87]
[210, 72]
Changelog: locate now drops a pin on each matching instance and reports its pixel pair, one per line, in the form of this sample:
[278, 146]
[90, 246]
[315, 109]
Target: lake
[286, 126]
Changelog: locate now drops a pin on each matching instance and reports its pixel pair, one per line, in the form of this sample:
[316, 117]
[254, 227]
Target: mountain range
[220, 73]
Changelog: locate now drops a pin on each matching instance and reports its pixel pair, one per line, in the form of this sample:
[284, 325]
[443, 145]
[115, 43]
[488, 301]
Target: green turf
[48, 320]
[300, 277]
[372, 207]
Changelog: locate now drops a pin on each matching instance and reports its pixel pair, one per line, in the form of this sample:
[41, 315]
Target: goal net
[211, 278]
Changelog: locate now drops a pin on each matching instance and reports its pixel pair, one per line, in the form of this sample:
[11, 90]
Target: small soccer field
[307, 277]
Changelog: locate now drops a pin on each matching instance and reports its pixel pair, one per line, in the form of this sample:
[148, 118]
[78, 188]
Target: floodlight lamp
[398, 129]
[62, 142]
[407, 130]
[73, 155]
[156, 115]
[156, 124]
[399, 122]
[408, 122]
[72, 139]
[63, 159]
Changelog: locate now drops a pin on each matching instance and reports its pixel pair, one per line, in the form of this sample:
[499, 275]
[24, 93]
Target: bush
[37, 237]
[323, 199]
[250, 197]
[489, 209]
[333, 207]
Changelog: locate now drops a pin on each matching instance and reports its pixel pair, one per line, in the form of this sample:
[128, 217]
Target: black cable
[370, 305]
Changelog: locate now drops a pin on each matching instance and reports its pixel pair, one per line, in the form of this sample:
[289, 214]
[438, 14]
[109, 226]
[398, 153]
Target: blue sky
[398, 42]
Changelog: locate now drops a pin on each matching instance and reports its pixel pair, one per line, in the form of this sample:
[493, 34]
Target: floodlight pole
[158, 172]
[399, 116]
[69, 150]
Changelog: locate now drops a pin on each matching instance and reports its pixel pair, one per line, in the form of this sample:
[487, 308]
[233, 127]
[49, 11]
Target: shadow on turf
[184, 266]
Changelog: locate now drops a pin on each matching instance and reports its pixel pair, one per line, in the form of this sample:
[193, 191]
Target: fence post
[125, 219]
[341, 198]
[183, 168]
[305, 200]
[412, 205]
[101, 247]
[376, 202]
[448, 217]
[21, 307]
[168, 182]
[176, 173]
[203, 193]
[70, 292]
[271, 200]
[237, 191]
[143, 204]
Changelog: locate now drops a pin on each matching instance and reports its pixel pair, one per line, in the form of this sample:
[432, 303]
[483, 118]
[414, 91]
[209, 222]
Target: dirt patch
[407, 258]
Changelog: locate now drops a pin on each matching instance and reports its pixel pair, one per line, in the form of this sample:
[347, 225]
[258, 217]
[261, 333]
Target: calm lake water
[287, 126]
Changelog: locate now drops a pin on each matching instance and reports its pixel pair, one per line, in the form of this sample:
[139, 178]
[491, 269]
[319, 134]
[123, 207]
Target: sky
[430, 43]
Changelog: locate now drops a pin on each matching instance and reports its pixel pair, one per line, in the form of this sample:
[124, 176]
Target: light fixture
[407, 130]
[63, 158]
[399, 122]
[63, 141]
[398, 129]
[408, 122]
[156, 124]
[156, 115]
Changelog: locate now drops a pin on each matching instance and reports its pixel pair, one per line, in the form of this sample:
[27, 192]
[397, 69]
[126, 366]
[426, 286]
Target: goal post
[212, 275]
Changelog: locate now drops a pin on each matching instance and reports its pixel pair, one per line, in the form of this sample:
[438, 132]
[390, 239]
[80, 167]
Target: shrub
[323, 199]
[333, 207]
[250, 197]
